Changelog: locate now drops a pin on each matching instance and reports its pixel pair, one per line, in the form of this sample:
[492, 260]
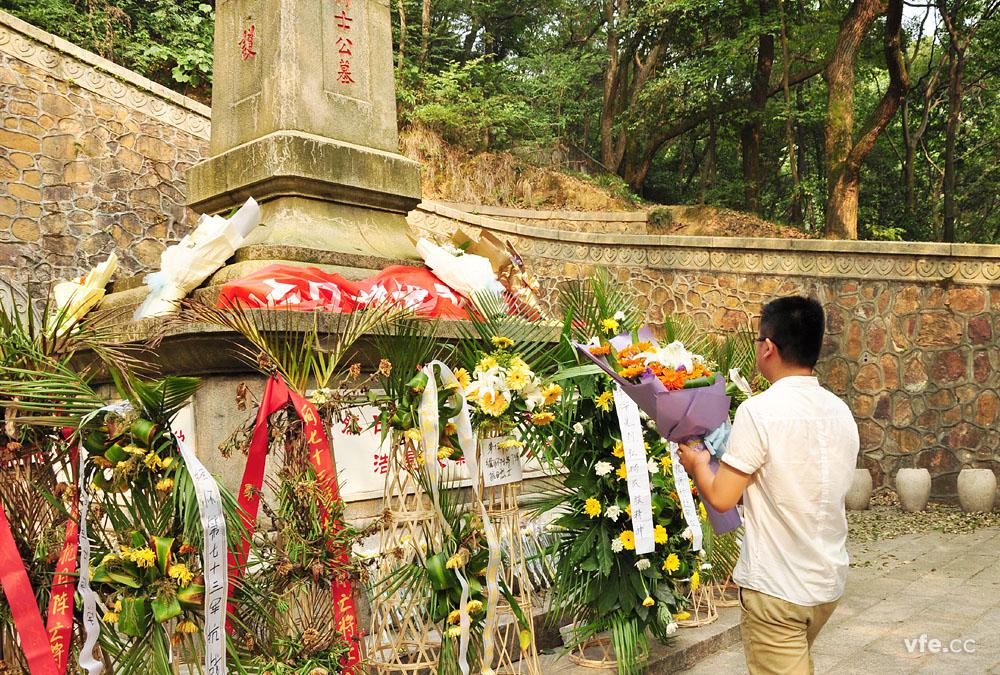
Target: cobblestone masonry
[912, 335]
[92, 159]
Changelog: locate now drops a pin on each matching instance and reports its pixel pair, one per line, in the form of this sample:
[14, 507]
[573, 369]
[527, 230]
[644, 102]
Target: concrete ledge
[531, 214]
[302, 164]
[690, 646]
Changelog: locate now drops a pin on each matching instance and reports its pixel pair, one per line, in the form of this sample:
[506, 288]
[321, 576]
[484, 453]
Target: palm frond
[538, 342]
[56, 398]
[305, 347]
[589, 301]
[408, 343]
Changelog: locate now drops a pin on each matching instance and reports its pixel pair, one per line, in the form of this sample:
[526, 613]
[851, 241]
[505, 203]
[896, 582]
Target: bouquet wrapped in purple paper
[675, 388]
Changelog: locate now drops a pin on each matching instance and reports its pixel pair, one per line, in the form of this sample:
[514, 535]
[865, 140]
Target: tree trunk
[844, 154]
[611, 85]
[401, 7]
[956, 63]
[425, 32]
[710, 161]
[795, 206]
[750, 134]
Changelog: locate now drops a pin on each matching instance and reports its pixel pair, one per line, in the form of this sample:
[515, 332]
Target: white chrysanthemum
[688, 534]
[671, 628]
[603, 468]
[706, 566]
[613, 513]
[642, 564]
[653, 466]
[578, 429]
[616, 545]
[674, 356]
[619, 315]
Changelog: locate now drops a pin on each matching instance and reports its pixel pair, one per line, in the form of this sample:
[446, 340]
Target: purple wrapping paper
[680, 416]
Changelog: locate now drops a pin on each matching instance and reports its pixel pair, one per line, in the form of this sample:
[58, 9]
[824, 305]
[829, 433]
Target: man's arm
[722, 490]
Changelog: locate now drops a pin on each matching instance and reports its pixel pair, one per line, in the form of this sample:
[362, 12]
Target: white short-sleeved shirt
[800, 443]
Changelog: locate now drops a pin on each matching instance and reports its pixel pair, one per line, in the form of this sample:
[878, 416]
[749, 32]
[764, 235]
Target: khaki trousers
[778, 635]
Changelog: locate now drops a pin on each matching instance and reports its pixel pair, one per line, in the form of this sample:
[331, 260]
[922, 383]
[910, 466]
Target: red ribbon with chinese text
[276, 396]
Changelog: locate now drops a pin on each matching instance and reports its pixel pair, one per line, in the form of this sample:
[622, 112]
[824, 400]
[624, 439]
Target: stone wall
[912, 334]
[92, 159]
[609, 222]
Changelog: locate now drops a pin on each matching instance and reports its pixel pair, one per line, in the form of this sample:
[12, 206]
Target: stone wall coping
[923, 249]
[530, 214]
[35, 40]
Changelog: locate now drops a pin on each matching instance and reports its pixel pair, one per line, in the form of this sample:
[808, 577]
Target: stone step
[689, 646]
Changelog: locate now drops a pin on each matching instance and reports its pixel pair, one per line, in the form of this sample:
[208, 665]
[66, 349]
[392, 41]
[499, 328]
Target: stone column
[304, 121]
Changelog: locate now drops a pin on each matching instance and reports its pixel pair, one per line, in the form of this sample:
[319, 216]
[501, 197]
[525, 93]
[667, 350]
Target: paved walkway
[944, 587]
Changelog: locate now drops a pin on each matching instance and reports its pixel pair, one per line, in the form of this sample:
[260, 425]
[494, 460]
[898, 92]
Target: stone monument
[304, 121]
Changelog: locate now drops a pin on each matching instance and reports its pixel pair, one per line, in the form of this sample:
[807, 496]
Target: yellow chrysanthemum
[682, 616]
[511, 443]
[493, 403]
[134, 450]
[619, 449]
[455, 562]
[628, 540]
[501, 342]
[453, 632]
[412, 435]
[450, 429]
[648, 602]
[623, 472]
[180, 573]
[695, 581]
[660, 534]
[672, 563]
[592, 507]
[701, 511]
[143, 557]
[153, 461]
[165, 485]
[464, 380]
[474, 606]
[110, 617]
[551, 394]
[605, 401]
[444, 453]
[486, 363]
[628, 510]
[187, 627]
[610, 325]
[666, 463]
[454, 616]
[517, 363]
[543, 419]
[517, 379]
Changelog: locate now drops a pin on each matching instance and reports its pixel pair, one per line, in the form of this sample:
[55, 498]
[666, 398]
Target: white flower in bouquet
[642, 564]
[613, 513]
[671, 628]
[687, 534]
[616, 545]
[706, 566]
[603, 468]
[533, 395]
[674, 356]
[578, 429]
[741, 382]
[653, 466]
[619, 315]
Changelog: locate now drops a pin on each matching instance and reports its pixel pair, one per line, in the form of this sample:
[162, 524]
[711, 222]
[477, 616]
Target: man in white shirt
[791, 456]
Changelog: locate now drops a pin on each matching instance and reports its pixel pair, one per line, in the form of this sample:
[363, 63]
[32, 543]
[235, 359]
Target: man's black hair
[795, 325]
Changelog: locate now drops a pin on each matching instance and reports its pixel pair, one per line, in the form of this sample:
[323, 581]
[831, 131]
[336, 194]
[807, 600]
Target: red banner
[282, 286]
[46, 646]
[276, 396]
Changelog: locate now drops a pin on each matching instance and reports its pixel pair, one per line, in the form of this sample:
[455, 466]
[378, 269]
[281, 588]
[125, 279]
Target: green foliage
[169, 41]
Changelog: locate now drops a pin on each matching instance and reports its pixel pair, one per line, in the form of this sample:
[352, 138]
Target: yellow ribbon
[430, 436]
